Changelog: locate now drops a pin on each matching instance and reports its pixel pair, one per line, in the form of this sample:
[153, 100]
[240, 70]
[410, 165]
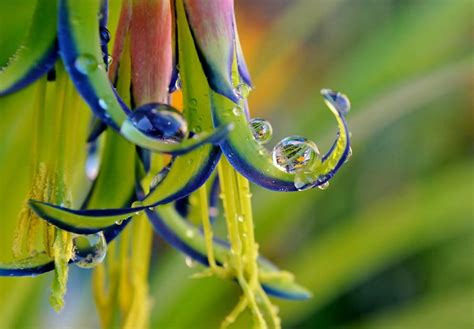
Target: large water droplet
[86, 64]
[160, 121]
[294, 153]
[261, 130]
[89, 250]
[340, 101]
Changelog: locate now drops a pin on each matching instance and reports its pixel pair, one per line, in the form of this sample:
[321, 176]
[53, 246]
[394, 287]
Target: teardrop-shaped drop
[295, 153]
[339, 100]
[89, 250]
[86, 64]
[261, 130]
[160, 121]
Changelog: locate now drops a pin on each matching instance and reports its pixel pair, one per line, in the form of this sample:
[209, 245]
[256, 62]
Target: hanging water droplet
[119, 222]
[261, 130]
[160, 121]
[86, 64]
[294, 153]
[89, 250]
[189, 262]
[339, 100]
[324, 185]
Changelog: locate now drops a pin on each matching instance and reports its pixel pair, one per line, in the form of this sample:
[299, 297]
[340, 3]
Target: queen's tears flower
[146, 159]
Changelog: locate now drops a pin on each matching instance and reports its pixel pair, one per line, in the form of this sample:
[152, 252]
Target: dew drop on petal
[349, 154]
[189, 262]
[190, 234]
[240, 218]
[237, 111]
[160, 121]
[294, 153]
[103, 104]
[324, 185]
[243, 90]
[119, 222]
[341, 101]
[86, 64]
[89, 250]
[261, 130]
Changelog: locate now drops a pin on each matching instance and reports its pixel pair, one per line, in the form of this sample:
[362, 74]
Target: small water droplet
[324, 185]
[237, 111]
[339, 100]
[295, 153]
[104, 35]
[240, 218]
[243, 90]
[193, 102]
[189, 262]
[160, 121]
[119, 222]
[190, 234]
[261, 130]
[103, 104]
[349, 154]
[137, 204]
[110, 59]
[151, 208]
[89, 250]
[86, 64]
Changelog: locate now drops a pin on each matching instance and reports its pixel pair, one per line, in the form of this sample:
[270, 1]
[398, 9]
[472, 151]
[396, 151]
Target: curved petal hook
[254, 162]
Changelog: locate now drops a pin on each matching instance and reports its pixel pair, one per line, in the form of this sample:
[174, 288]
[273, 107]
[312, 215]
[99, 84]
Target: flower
[160, 46]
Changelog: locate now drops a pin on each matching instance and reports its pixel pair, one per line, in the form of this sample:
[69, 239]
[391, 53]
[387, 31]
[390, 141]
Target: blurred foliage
[389, 244]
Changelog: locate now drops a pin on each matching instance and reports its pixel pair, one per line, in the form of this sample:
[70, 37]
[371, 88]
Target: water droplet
[160, 121]
[240, 218]
[190, 234]
[193, 102]
[89, 250]
[92, 162]
[189, 262]
[237, 111]
[294, 153]
[349, 154]
[104, 35]
[324, 185]
[103, 104]
[110, 59]
[243, 90]
[86, 64]
[137, 204]
[151, 208]
[119, 222]
[261, 130]
[339, 100]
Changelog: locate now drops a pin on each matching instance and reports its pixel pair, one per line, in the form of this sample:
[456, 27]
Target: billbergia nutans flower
[146, 159]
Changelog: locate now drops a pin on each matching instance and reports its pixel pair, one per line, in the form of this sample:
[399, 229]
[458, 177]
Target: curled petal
[254, 162]
[80, 50]
[212, 26]
[187, 173]
[187, 238]
[37, 54]
[42, 263]
[130, 132]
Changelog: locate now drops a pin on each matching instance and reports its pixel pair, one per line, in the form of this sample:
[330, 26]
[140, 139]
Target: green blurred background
[390, 244]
